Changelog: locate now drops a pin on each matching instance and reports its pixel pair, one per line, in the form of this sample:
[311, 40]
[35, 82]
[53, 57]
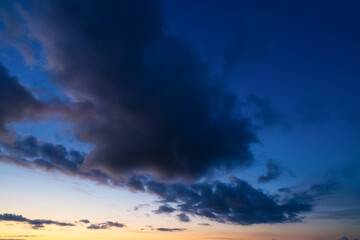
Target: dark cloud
[183, 217]
[274, 171]
[156, 106]
[35, 224]
[235, 202]
[16, 102]
[105, 225]
[171, 229]
[30, 152]
[45, 155]
[84, 221]
[164, 209]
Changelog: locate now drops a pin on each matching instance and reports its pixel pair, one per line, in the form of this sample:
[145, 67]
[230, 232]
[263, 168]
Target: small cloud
[204, 224]
[84, 221]
[164, 209]
[171, 229]
[183, 217]
[105, 225]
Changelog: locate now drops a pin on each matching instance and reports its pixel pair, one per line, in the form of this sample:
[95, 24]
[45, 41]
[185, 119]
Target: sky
[233, 120]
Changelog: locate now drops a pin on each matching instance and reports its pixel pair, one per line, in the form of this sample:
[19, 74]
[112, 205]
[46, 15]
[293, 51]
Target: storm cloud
[156, 106]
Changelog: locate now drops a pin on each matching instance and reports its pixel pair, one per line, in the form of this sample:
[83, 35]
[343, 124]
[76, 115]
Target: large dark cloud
[35, 224]
[18, 104]
[156, 106]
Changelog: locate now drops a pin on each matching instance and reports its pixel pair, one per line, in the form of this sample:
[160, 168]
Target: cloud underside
[155, 106]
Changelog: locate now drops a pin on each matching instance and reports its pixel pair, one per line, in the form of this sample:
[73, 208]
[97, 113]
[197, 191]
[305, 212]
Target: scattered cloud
[236, 202]
[171, 229]
[232, 202]
[183, 217]
[169, 137]
[164, 209]
[84, 221]
[35, 224]
[105, 225]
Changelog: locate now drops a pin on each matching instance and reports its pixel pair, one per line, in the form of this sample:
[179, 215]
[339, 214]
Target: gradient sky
[179, 119]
